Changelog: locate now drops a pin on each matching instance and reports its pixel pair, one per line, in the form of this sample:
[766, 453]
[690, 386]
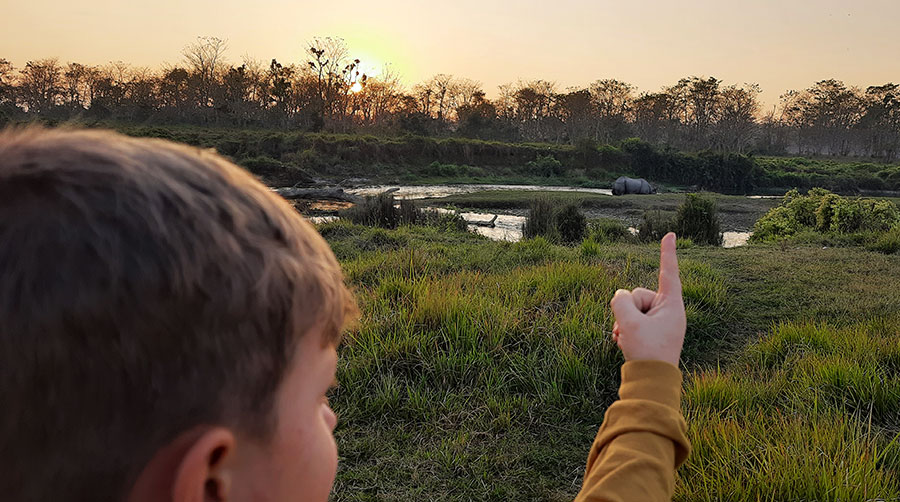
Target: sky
[779, 44]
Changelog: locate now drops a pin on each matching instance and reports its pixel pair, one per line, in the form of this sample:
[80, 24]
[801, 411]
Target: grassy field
[481, 370]
[735, 212]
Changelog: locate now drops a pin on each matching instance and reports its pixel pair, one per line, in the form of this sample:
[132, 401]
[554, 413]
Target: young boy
[168, 331]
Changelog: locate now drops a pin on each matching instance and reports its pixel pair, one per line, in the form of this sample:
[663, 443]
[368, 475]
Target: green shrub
[570, 223]
[546, 165]
[408, 212]
[822, 211]
[697, 219]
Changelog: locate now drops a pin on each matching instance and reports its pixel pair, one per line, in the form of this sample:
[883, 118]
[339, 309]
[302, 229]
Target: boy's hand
[650, 325]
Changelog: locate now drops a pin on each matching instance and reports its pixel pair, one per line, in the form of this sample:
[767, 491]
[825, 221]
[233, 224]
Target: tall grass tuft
[540, 220]
[381, 211]
[608, 231]
[654, 225]
[570, 223]
[697, 219]
[375, 211]
[566, 224]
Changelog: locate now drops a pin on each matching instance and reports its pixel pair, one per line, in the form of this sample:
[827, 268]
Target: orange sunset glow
[780, 45]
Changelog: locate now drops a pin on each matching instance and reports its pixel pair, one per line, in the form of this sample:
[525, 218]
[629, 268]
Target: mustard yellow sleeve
[642, 440]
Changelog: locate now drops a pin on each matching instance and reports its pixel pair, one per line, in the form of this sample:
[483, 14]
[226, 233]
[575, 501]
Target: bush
[824, 212]
[546, 165]
[586, 151]
[697, 219]
[570, 223]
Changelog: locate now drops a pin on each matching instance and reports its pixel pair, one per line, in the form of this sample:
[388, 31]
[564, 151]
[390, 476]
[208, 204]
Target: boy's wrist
[651, 380]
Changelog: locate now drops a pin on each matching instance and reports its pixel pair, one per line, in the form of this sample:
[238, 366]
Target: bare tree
[205, 59]
[7, 86]
[612, 101]
[40, 85]
[738, 110]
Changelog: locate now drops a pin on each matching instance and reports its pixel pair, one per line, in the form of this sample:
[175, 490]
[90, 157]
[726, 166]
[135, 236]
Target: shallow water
[734, 239]
[506, 227]
[509, 228]
[430, 191]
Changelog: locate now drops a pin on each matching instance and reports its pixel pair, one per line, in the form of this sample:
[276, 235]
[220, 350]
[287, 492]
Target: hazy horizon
[780, 45]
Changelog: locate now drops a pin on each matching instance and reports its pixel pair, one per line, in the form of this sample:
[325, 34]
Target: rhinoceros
[625, 185]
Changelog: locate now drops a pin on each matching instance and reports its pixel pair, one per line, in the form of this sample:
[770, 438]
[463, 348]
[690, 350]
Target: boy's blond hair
[147, 288]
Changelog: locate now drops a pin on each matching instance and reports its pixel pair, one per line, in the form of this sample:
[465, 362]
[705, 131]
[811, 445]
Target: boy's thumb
[623, 305]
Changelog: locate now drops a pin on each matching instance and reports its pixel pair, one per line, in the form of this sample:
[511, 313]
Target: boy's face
[300, 462]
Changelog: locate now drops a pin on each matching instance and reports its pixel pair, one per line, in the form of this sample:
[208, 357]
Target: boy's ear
[202, 474]
[191, 468]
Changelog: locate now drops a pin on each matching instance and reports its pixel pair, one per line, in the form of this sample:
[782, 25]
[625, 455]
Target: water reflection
[429, 191]
[509, 228]
[734, 239]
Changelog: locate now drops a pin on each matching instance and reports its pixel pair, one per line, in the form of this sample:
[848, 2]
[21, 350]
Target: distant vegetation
[286, 158]
[326, 91]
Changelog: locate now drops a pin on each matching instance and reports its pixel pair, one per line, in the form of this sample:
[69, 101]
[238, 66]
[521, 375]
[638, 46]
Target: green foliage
[440, 170]
[545, 218]
[540, 220]
[570, 223]
[888, 242]
[341, 156]
[723, 172]
[654, 225]
[608, 231]
[586, 150]
[697, 219]
[382, 211]
[822, 211]
[546, 165]
[375, 211]
[276, 172]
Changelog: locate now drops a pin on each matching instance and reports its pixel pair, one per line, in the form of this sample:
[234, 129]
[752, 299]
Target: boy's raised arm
[642, 440]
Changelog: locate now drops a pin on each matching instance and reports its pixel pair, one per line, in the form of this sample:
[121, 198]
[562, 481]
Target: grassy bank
[481, 370]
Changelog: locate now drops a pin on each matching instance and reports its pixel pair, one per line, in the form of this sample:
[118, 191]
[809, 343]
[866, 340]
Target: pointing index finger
[669, 280]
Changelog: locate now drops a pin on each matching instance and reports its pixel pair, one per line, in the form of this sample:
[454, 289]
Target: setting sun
[356, 87]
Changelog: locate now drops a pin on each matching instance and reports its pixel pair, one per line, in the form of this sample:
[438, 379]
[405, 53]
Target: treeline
[286, 158]
[330, 92]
